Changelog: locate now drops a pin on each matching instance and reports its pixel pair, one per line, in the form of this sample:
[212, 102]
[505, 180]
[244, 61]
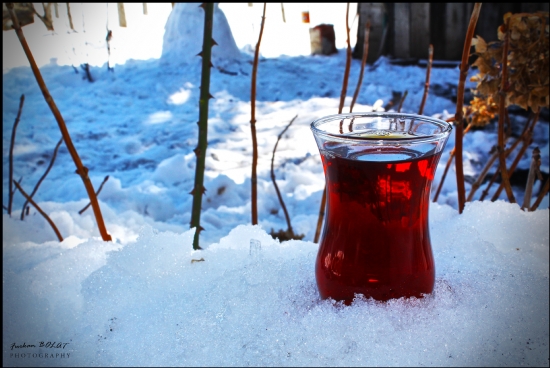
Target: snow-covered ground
[142, 300]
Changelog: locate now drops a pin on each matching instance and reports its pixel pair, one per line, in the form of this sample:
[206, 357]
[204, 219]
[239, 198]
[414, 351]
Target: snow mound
[184, 35]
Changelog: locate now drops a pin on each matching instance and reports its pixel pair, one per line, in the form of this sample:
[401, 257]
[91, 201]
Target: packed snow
[247, 299]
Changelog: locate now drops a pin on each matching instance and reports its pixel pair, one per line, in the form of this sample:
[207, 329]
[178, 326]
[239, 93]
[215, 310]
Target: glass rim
[446, 127]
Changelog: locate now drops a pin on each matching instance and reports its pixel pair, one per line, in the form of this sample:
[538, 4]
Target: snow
[148, 299]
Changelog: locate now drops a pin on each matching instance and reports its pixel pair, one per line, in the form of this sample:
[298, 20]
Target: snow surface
[147, 298]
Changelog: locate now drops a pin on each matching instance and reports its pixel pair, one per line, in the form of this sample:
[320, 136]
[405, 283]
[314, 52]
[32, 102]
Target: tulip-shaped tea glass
[379, 169]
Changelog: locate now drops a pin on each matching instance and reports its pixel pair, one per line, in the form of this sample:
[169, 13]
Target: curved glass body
[378, 169]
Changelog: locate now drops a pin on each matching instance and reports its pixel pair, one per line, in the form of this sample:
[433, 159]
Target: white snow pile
[250, 300]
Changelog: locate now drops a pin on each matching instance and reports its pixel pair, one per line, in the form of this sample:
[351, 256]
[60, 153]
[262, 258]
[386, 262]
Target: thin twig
[459, 114]
[502, 108]
[348, 64]
[287, 217]
[427, 84]
[12, 143]
[80, 168]
[402, 101]
[97, 194]
[42, 178]
[363, 62]
[40, 210]
[540, 197]
[535, 164]
[340, 108]
[447, 166]
[283, 12]
[254, 179]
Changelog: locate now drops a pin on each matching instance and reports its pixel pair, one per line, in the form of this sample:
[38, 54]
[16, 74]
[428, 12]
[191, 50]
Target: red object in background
[305, 17]
[376, 238]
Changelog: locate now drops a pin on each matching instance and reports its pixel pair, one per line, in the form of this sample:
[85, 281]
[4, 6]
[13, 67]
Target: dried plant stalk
[427, 84]
[287, 217]
[97, 193]
[484, 172]
[40, 211]
[363, 63]
[200, 150]
[447, 166]
[12, 143]
[80, 169]
[501, 103]
[541, 195]
[340, 108]
[535, 164]
[42, 177]
[459, 115]
[254, 178]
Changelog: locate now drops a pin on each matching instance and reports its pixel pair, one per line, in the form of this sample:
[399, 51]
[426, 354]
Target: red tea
[376, 239]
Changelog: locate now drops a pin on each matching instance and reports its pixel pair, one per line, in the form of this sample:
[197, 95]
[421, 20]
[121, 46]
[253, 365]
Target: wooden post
[377, 14]
[456, 22]
[419, 41]
[401, 39]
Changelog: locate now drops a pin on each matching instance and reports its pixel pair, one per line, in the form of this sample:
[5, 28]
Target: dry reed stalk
[12, 143]
[541, 195]
[502, 107]
[340, 108]
[40, 211]
[363, 63]
[535, 164]
[459, 115]
[80, 169]
[447, 166]
[287, 217]
[96, 193]
[42, 177]
[254, 178]
[427, 84]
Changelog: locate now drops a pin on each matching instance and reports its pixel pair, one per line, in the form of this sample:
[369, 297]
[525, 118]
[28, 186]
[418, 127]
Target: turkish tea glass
[379, 168]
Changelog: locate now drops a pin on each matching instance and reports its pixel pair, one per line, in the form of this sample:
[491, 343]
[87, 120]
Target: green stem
[200, 151]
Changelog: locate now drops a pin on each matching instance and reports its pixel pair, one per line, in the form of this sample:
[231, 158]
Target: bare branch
[363, 62]
[80, 168]
[12, 143]
[254, 179]
[287, 217]
[43, 177]
[459, 114]
[402, 101]
[502, 107]
[427, 84]
[541, 195]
